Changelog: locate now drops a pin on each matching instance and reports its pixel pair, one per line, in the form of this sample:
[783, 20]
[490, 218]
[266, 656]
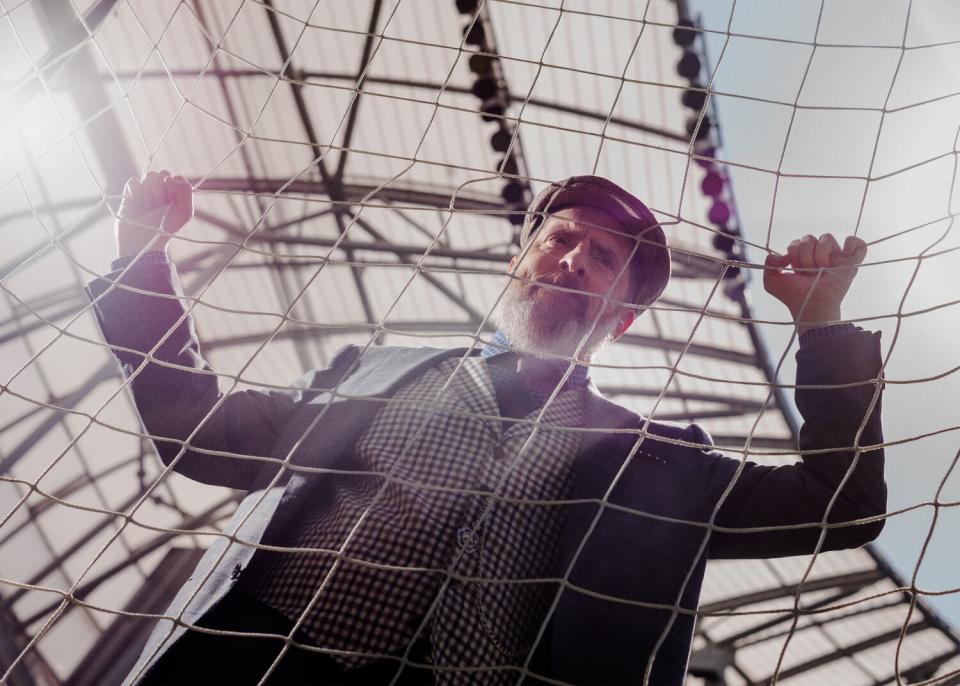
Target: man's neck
[543, 371]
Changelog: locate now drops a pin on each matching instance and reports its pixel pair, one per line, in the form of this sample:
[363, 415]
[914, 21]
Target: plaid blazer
[635, 569]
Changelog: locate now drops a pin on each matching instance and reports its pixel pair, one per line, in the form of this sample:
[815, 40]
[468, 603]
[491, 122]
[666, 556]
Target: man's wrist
[817, 317]
[131, 239]
[818, 333]
[805, 327]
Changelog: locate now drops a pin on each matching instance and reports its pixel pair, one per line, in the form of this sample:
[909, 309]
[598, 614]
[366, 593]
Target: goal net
[360, 172]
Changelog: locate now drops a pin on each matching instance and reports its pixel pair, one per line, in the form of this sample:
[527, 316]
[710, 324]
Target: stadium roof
[350, 188]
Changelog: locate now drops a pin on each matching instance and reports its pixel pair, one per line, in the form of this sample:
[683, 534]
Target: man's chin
[558, 337]
[552, 322]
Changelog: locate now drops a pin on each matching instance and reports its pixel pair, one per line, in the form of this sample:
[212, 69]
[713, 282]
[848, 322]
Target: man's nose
[574, 261]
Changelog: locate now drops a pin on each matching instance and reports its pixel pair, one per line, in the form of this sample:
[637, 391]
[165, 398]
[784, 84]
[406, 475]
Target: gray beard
[543, 321]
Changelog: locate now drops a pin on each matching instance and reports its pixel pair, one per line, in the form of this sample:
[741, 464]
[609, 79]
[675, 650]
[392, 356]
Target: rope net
[360, 171]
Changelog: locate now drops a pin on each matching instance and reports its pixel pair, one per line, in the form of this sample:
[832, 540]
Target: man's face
[578, 249]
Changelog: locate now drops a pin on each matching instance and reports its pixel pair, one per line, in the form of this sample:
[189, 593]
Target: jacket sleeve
[847, 367]
[176, 392]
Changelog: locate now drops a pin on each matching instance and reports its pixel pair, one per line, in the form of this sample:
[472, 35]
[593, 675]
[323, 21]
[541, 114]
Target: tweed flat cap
[651, 261]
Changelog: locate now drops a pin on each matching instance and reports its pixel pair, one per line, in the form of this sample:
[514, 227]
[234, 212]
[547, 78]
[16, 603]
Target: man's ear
[624, 320]
[512, 264]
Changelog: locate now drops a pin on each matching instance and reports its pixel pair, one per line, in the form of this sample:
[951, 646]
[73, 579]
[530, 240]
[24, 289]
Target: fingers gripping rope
[289, 76]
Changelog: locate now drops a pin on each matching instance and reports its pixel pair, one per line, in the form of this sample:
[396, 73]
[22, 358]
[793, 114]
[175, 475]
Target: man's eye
[604, 260]
[557, 238]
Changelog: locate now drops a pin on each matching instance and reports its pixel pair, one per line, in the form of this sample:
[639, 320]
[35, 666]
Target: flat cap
[651, 261]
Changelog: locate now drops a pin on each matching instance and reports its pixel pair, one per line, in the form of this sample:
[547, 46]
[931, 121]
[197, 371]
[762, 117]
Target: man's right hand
[152, 209]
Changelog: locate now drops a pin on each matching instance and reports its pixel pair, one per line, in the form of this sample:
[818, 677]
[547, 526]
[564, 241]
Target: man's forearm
[143, 318]
[837, 368]
[842, 420]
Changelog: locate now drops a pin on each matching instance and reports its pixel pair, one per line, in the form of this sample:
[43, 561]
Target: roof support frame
[468, 327]
[860, 579]
[358, 86]
[308, 75]
[332, 181]
[844, 652]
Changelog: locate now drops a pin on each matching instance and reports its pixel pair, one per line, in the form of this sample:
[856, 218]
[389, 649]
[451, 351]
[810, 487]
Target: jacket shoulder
[612, 415]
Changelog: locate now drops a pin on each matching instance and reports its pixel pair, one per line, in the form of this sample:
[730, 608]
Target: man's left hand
[824, 268]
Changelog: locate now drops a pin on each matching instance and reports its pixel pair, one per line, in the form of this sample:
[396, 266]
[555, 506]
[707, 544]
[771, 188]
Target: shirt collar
[500, 345]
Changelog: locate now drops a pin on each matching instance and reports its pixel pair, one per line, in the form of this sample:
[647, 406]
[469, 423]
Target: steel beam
[733, 640]
[844, 651]
[466, 328]
[82, 75]
[923, 671]
[358, 80]
[96, 377]
[202, 519]
[686, 266]
[595, 115]
[860, 579]
[354, 192]
[333, 182]
[768, 442]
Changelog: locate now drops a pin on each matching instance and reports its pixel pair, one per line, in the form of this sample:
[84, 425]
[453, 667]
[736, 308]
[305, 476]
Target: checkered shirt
[426, 442]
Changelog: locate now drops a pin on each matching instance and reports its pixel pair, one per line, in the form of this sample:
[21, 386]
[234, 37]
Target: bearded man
[454, 516]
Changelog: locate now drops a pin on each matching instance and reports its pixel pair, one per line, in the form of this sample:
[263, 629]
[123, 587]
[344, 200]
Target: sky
[857, 71]
[908, 152]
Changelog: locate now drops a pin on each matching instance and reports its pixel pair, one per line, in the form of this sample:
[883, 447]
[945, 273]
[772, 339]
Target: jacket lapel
[604, 444]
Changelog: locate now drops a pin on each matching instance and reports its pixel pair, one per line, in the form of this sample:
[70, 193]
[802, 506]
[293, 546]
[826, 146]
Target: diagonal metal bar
[34, 669]
[358, 80]
[67, 552]
[698, 415]
[690, 396]
[86, 89]
[35, 510]
[923, 671]
[82, 225]
[333, 183]
[844, 652]
[928, 613]
[860, 579]
[202, 519]
[466, 328]
[678, 345]
[66, 38]
[759, 633]
[782, 444]
[279, 275]
[67, 308]
[475, 315]
[686, 265]
[71, 399]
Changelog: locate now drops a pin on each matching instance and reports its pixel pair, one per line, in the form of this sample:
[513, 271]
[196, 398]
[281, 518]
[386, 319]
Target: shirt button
[499, 454]
[467, 539]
